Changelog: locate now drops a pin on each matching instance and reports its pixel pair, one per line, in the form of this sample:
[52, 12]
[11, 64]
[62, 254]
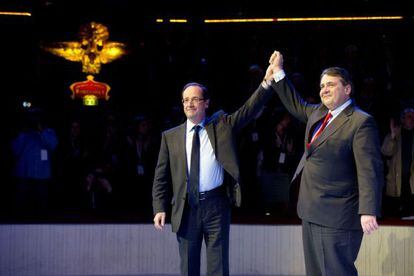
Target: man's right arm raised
[291, 99]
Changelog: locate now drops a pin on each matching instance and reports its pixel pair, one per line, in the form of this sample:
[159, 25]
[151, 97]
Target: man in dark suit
[342, 171]
[202, 210]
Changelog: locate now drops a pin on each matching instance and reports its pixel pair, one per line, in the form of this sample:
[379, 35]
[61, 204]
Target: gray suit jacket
[171, 171]
[342, 170]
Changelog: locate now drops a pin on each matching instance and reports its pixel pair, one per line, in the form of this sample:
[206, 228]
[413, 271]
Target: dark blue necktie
[194, 180]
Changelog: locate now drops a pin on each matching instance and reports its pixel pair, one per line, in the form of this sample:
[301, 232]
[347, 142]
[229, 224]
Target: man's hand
[276, 60]
[394, 129]
[159, 221]
[369, 224]
[275, 65]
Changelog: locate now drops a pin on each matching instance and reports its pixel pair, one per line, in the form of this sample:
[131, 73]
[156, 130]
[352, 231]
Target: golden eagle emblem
[92, 49]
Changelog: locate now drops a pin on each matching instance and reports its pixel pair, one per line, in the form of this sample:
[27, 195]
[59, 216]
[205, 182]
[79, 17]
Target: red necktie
[321, 128]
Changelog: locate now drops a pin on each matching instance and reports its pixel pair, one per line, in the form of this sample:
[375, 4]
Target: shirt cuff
[278, 76]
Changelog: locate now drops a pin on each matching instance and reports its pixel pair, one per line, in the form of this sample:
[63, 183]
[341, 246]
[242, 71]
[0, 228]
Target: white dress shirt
[339, 109]
[211, 172]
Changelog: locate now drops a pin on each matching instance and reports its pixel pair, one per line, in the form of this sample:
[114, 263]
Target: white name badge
[43, 155]
[282, 158]
[255, 136]
[140, 170]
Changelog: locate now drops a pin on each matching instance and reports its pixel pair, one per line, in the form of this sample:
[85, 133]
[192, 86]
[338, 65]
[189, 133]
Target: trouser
[210, 221]
[329, 251]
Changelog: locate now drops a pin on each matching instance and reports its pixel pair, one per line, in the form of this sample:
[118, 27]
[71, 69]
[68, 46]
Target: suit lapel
[181, 145]
[336, 124]
[182, 138]
[317, 116]
[329, 130]
[211, 134]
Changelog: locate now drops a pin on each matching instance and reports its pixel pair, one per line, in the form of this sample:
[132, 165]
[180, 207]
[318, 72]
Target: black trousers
[329, 251]
[210, 221]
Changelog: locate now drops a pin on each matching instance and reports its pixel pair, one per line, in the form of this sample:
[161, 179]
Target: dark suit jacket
[171, 170]
[342, 171]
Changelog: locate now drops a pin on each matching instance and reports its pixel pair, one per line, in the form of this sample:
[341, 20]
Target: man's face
[333, 93]
[194, 104]
[75, 129]
[408, 120]
[143, 128]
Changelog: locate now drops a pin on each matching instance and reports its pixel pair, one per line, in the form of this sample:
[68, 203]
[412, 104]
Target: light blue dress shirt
[211, 172]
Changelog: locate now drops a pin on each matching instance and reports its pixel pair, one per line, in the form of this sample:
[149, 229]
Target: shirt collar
[190, 125]
[340, 108]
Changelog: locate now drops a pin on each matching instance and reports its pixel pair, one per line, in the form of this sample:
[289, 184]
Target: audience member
[32, 149]
[72, 155]
[398, 147]
[139, 158]
[277, 163]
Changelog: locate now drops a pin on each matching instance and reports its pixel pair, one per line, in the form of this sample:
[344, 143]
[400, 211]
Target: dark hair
[204, 90]
[405, 111]
[34, 118]
[341, 73]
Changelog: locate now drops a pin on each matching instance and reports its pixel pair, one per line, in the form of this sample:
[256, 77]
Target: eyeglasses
[195, 100]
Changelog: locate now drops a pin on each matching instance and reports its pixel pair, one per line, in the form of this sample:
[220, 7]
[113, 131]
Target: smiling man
[342, 170]
[193, 161]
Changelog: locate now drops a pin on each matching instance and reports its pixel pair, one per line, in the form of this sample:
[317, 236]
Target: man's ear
[207, 103]
[348, 89]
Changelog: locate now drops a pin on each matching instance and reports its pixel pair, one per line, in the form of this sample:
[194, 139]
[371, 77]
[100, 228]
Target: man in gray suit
[202, 210]
[342, 171]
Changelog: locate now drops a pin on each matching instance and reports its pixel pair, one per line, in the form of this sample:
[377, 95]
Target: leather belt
[219, 191]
